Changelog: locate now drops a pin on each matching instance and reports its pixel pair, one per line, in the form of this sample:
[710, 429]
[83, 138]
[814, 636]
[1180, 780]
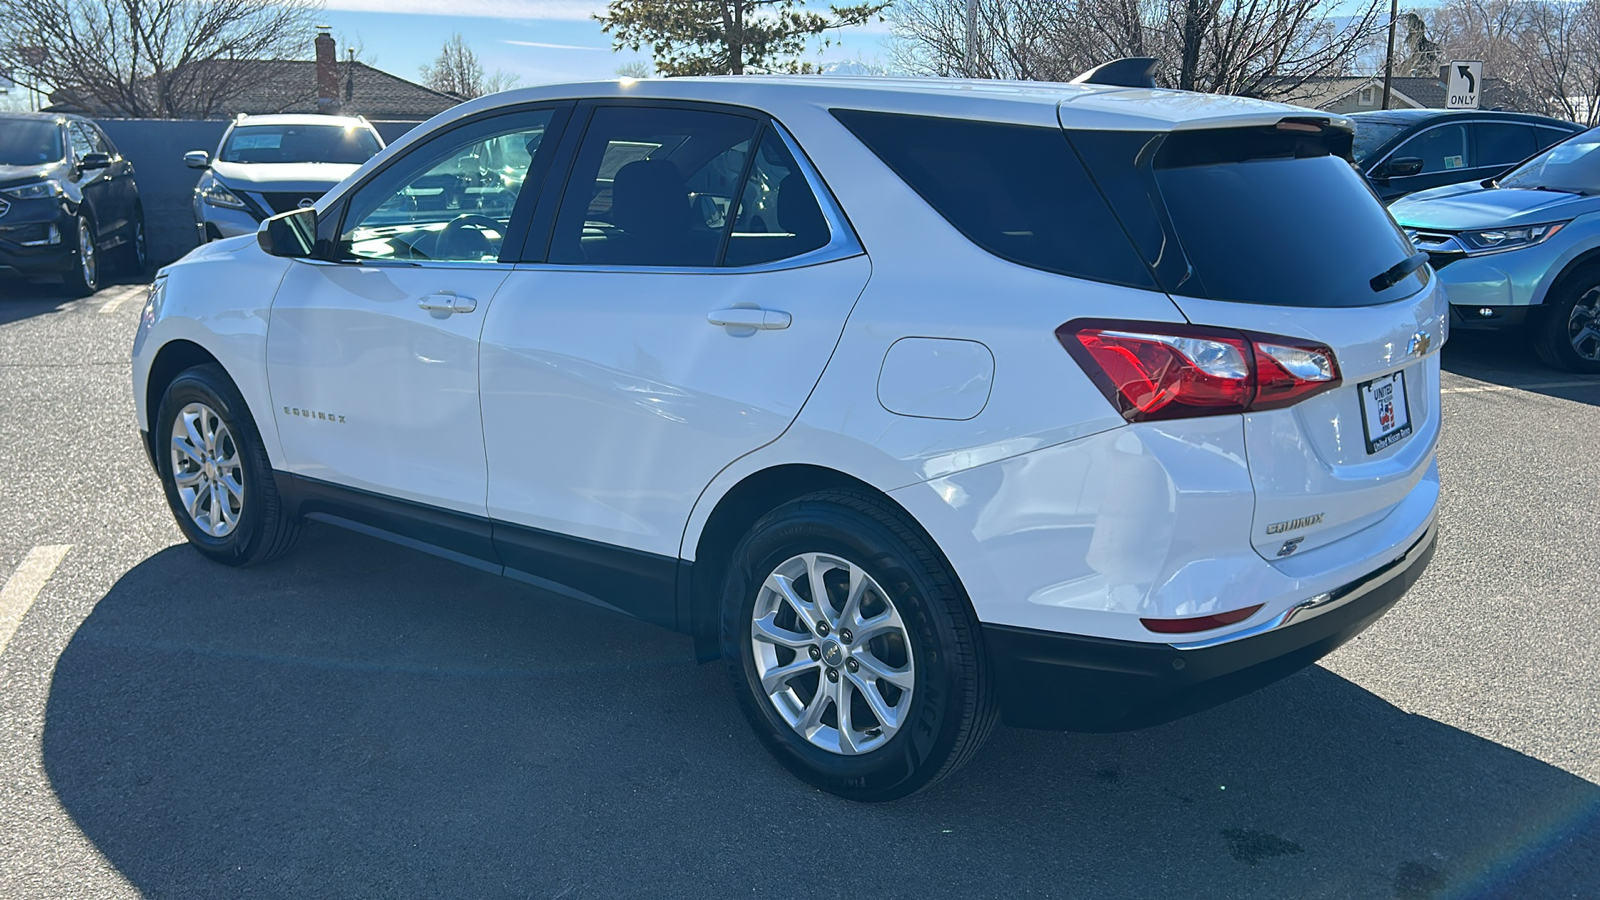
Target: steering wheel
[455, 231]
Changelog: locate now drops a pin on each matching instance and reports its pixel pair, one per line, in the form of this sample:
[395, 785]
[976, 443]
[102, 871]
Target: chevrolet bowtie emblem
[1420, 343]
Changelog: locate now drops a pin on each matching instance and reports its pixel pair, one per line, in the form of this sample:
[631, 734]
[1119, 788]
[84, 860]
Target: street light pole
[1388, 58]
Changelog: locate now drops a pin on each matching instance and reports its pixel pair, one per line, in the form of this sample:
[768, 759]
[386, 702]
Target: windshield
[30, 143]
[348, 145]
[1370, 135]
[1572, 166]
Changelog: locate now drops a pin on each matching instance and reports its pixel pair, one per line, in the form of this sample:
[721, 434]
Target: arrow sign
[1462, 90]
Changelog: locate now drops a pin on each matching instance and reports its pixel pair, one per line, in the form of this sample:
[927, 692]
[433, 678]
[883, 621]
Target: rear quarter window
[1019, 192]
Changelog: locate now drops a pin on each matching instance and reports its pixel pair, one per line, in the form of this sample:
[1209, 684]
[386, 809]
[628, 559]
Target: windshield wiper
[1397, 272]
[1554, 190]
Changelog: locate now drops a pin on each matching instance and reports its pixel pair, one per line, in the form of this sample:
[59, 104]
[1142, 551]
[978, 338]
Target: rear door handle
[750, 317]
[445, 301]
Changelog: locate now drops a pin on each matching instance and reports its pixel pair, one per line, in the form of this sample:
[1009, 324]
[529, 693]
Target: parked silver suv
[271, 164]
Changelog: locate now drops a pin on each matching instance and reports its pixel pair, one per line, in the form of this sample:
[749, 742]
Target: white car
[275, 163]
[919, 402]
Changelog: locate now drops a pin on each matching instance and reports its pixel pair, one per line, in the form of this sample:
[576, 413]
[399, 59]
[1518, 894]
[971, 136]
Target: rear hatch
[1268, 229]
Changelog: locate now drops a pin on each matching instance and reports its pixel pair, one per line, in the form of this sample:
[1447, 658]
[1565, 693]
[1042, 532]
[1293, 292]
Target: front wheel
[217, 477]
[83, 278]
[1569, 336]
[852, 648]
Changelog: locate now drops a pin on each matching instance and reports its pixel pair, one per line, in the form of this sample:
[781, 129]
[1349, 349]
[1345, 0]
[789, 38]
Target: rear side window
[1260, 215]
[1504, 143]
[1018, 192]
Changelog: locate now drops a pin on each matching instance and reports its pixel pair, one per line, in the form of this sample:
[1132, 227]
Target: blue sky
[542, 41]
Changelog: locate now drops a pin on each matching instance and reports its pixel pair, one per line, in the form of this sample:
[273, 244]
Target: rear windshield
[1261, 215]
[351, 145]
[25, 143]
[1018, 192]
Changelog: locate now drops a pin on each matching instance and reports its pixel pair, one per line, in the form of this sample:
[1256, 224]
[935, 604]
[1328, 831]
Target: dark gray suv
[67, 197]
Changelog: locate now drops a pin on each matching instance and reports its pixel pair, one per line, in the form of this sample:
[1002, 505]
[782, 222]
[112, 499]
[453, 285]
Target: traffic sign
[1466, 82]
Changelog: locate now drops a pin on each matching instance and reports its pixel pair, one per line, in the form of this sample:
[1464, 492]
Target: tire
[229, 510]
[1568, 336]
[83, 278]
[134, 256]
[928, 640]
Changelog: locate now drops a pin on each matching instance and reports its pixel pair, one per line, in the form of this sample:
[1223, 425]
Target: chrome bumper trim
[1330, 600]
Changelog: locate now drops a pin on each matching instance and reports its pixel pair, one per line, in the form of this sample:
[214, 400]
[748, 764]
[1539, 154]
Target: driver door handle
[446, 301]
[750, 317]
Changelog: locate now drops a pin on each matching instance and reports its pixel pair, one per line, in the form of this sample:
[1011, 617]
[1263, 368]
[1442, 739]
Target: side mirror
[197, 159]
[93, 161]
[1402, 167]
[291, 235]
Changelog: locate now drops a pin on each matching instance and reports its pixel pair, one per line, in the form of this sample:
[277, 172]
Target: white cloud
[569, 10]
[542, 45]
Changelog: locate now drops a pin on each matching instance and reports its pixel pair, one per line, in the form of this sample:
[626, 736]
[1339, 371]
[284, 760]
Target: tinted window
[1254, 215]
[1503, 143]
[83, 143]
[449, 199]
[778, 216]
[29, 143]
[1442, 148]
[299, 143]
[1570, 166]
[1018, 192]
[652, 187]
[1548, 136]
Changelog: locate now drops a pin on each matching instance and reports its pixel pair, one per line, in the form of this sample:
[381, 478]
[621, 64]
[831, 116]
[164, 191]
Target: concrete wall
[166, 185]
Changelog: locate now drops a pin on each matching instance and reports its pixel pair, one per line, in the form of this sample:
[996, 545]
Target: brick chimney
[327, 72]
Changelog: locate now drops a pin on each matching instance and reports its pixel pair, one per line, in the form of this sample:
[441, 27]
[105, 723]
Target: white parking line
[123, 296]
[24, 585]
[1489, 388]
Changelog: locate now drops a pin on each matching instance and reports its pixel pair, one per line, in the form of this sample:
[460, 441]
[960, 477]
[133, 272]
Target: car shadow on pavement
[22, 299]
[358, 720]
[1508, 360]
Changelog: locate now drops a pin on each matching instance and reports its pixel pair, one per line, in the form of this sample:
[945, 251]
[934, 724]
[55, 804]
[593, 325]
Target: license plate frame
[1381, 397]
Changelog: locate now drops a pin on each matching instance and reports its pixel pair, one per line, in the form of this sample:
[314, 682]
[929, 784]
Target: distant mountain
[851, 68]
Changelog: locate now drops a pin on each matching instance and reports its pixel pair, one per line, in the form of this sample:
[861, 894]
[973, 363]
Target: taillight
[1152, 370]
[1200, 623]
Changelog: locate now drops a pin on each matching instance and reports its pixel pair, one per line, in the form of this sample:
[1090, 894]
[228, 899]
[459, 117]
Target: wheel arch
[739, 508]
[1587, 261]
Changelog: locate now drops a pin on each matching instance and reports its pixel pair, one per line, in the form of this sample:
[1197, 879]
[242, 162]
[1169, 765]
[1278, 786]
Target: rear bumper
[1077, 683]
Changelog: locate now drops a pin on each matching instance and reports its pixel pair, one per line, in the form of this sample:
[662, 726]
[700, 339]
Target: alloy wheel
[832, 654]
[1583, 325]
[206, 470]
[86, 253]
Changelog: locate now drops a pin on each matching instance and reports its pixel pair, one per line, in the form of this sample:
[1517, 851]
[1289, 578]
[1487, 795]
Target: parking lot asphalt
[359, 720]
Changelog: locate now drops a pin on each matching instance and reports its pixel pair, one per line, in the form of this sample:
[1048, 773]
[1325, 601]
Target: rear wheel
[135, 253]
[1569, 336]
[83, 278]
[217, 477]
[852, 648]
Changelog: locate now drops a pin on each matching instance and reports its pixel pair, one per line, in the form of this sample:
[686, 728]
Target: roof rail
[1132, 71]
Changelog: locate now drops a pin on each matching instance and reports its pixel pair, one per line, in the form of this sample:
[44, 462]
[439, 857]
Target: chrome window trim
[842, 241]
[5, 206]
[1328, 601]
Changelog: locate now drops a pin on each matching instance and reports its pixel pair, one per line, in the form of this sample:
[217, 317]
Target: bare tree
[635, 68]
[148, 58]
[1546, 53]
[1252, 47]
[458, 71]
[726, 37]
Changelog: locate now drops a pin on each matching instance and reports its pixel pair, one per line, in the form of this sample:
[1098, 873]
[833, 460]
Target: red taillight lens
[1200, 623]
[1162, 371]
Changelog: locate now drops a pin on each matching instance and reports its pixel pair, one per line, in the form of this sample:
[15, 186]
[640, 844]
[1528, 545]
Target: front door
[696, 281]
[373, 360]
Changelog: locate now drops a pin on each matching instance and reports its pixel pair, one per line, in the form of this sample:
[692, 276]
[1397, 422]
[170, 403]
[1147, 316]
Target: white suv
[921, 403]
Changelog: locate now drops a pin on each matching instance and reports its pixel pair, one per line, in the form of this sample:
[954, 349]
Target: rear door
[1278, 234]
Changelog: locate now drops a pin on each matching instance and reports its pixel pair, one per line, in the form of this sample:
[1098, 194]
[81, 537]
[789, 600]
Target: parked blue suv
[1523, 250]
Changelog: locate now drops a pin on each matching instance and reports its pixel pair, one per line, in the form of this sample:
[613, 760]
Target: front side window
[30, 143]
[652, 187]
[1441, 149]
[82, 143]
[341, 144]
[451, 199]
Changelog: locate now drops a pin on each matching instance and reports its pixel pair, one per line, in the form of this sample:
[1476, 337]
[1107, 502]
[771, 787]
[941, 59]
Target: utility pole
[972, 38]
[1388, 58]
